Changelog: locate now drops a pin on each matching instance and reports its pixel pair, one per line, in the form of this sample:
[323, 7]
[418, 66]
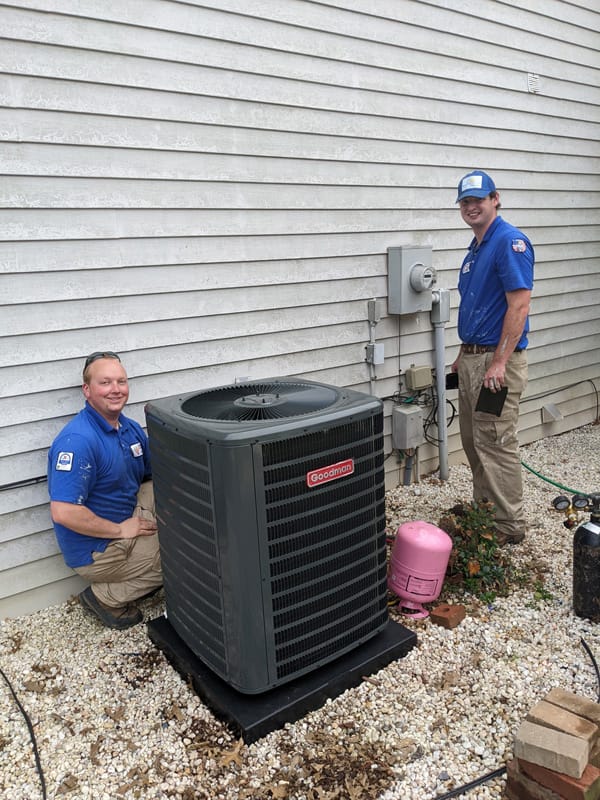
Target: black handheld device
[491, 402]
[452, 380]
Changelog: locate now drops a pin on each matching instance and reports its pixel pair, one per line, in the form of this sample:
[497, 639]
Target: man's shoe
[509, 538]
[118, 618]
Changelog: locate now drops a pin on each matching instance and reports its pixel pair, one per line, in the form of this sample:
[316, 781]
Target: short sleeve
[71, 469]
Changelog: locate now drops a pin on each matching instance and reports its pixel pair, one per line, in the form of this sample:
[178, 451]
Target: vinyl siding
[211, 188]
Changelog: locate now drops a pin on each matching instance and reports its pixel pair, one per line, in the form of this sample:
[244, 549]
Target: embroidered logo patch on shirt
[519, 246]
[137, 450]
[64, 462]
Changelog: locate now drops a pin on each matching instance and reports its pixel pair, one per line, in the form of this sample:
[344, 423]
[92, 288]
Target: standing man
[495, 283]
[97, 466]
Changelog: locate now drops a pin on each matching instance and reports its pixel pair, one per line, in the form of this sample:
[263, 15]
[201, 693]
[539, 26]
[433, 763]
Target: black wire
[36, 754]
[20, 484]
[595, 665]
[562, 389]
[468, 786]
[427, 423]
[432, 417]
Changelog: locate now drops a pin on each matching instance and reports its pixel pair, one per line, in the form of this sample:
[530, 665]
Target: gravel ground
[113, 719]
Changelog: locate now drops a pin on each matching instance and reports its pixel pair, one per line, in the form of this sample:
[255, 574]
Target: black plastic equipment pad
[254, 716]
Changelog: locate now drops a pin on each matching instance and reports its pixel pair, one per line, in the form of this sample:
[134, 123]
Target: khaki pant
[128, 568]
[491, 443]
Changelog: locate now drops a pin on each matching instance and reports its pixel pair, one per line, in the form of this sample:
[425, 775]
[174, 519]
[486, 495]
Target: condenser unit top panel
[260, 408]
[261, 401]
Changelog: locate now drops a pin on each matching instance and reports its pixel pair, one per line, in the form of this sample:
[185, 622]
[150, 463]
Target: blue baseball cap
[475, 184]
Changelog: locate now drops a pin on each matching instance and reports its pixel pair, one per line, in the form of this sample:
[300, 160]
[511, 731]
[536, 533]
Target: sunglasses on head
[95, 356]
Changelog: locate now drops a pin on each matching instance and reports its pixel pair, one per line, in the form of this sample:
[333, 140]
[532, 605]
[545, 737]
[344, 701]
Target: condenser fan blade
[260, 401]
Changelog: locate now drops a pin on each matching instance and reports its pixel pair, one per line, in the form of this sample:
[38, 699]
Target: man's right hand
[81, 520]
[137, 526]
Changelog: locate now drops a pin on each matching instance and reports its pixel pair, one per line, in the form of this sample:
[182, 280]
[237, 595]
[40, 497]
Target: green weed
[476, 566]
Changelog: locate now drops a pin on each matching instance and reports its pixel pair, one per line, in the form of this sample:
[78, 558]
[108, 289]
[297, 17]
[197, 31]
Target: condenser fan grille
[260, 401]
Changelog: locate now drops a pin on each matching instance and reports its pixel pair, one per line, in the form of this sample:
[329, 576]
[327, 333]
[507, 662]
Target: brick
[595, 755]
[520, 787]
[585, 788]
[576, 704]
[509, 794]
[448, 616]
[560, 719]
[552, 749]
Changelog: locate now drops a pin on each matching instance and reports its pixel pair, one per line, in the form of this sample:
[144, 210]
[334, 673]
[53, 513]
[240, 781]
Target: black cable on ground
[497, 773]
[594, 664]
[36, 753]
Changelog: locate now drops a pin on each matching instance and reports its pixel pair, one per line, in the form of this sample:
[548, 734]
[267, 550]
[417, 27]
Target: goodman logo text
[316, 477]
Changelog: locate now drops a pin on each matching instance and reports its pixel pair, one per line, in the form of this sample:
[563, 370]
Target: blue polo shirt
[91, 463]
[503, 262]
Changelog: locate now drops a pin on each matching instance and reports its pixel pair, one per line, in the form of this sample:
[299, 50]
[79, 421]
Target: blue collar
[474, 245]
[101, 422]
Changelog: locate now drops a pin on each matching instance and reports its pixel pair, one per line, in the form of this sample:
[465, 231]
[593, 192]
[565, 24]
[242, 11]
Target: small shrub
[476, 566]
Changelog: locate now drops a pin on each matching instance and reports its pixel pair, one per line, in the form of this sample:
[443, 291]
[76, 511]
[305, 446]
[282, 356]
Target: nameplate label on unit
[317, 477]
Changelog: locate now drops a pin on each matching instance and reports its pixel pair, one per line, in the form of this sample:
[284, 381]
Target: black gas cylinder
[586, 565]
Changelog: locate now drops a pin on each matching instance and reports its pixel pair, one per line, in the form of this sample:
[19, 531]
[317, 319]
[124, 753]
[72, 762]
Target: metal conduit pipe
[440, 315]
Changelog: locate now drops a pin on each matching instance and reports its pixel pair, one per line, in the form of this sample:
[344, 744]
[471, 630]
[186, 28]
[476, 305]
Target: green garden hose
[549, 480]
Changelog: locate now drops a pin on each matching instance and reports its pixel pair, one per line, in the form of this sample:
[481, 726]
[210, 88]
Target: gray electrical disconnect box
[440, 312]
[407, 427]
[411, 278]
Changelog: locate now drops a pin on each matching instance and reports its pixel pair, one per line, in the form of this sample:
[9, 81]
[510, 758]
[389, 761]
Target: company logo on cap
[476, 184]
[471, 182]
[316, 477]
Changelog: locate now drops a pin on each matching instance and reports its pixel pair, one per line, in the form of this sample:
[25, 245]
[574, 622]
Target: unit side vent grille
[189, 548]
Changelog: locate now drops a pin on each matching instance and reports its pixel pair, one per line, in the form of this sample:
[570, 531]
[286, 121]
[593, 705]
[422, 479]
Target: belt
[477, 349]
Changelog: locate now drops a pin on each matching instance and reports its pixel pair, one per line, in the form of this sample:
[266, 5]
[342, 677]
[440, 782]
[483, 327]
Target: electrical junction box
[375, 353]
[411, 278]
[418, 378]
[407, 427]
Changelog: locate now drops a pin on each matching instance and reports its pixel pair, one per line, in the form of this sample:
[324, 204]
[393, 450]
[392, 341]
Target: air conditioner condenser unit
[270, 498]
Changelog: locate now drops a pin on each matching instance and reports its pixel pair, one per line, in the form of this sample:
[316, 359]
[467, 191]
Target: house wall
[211, 188]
